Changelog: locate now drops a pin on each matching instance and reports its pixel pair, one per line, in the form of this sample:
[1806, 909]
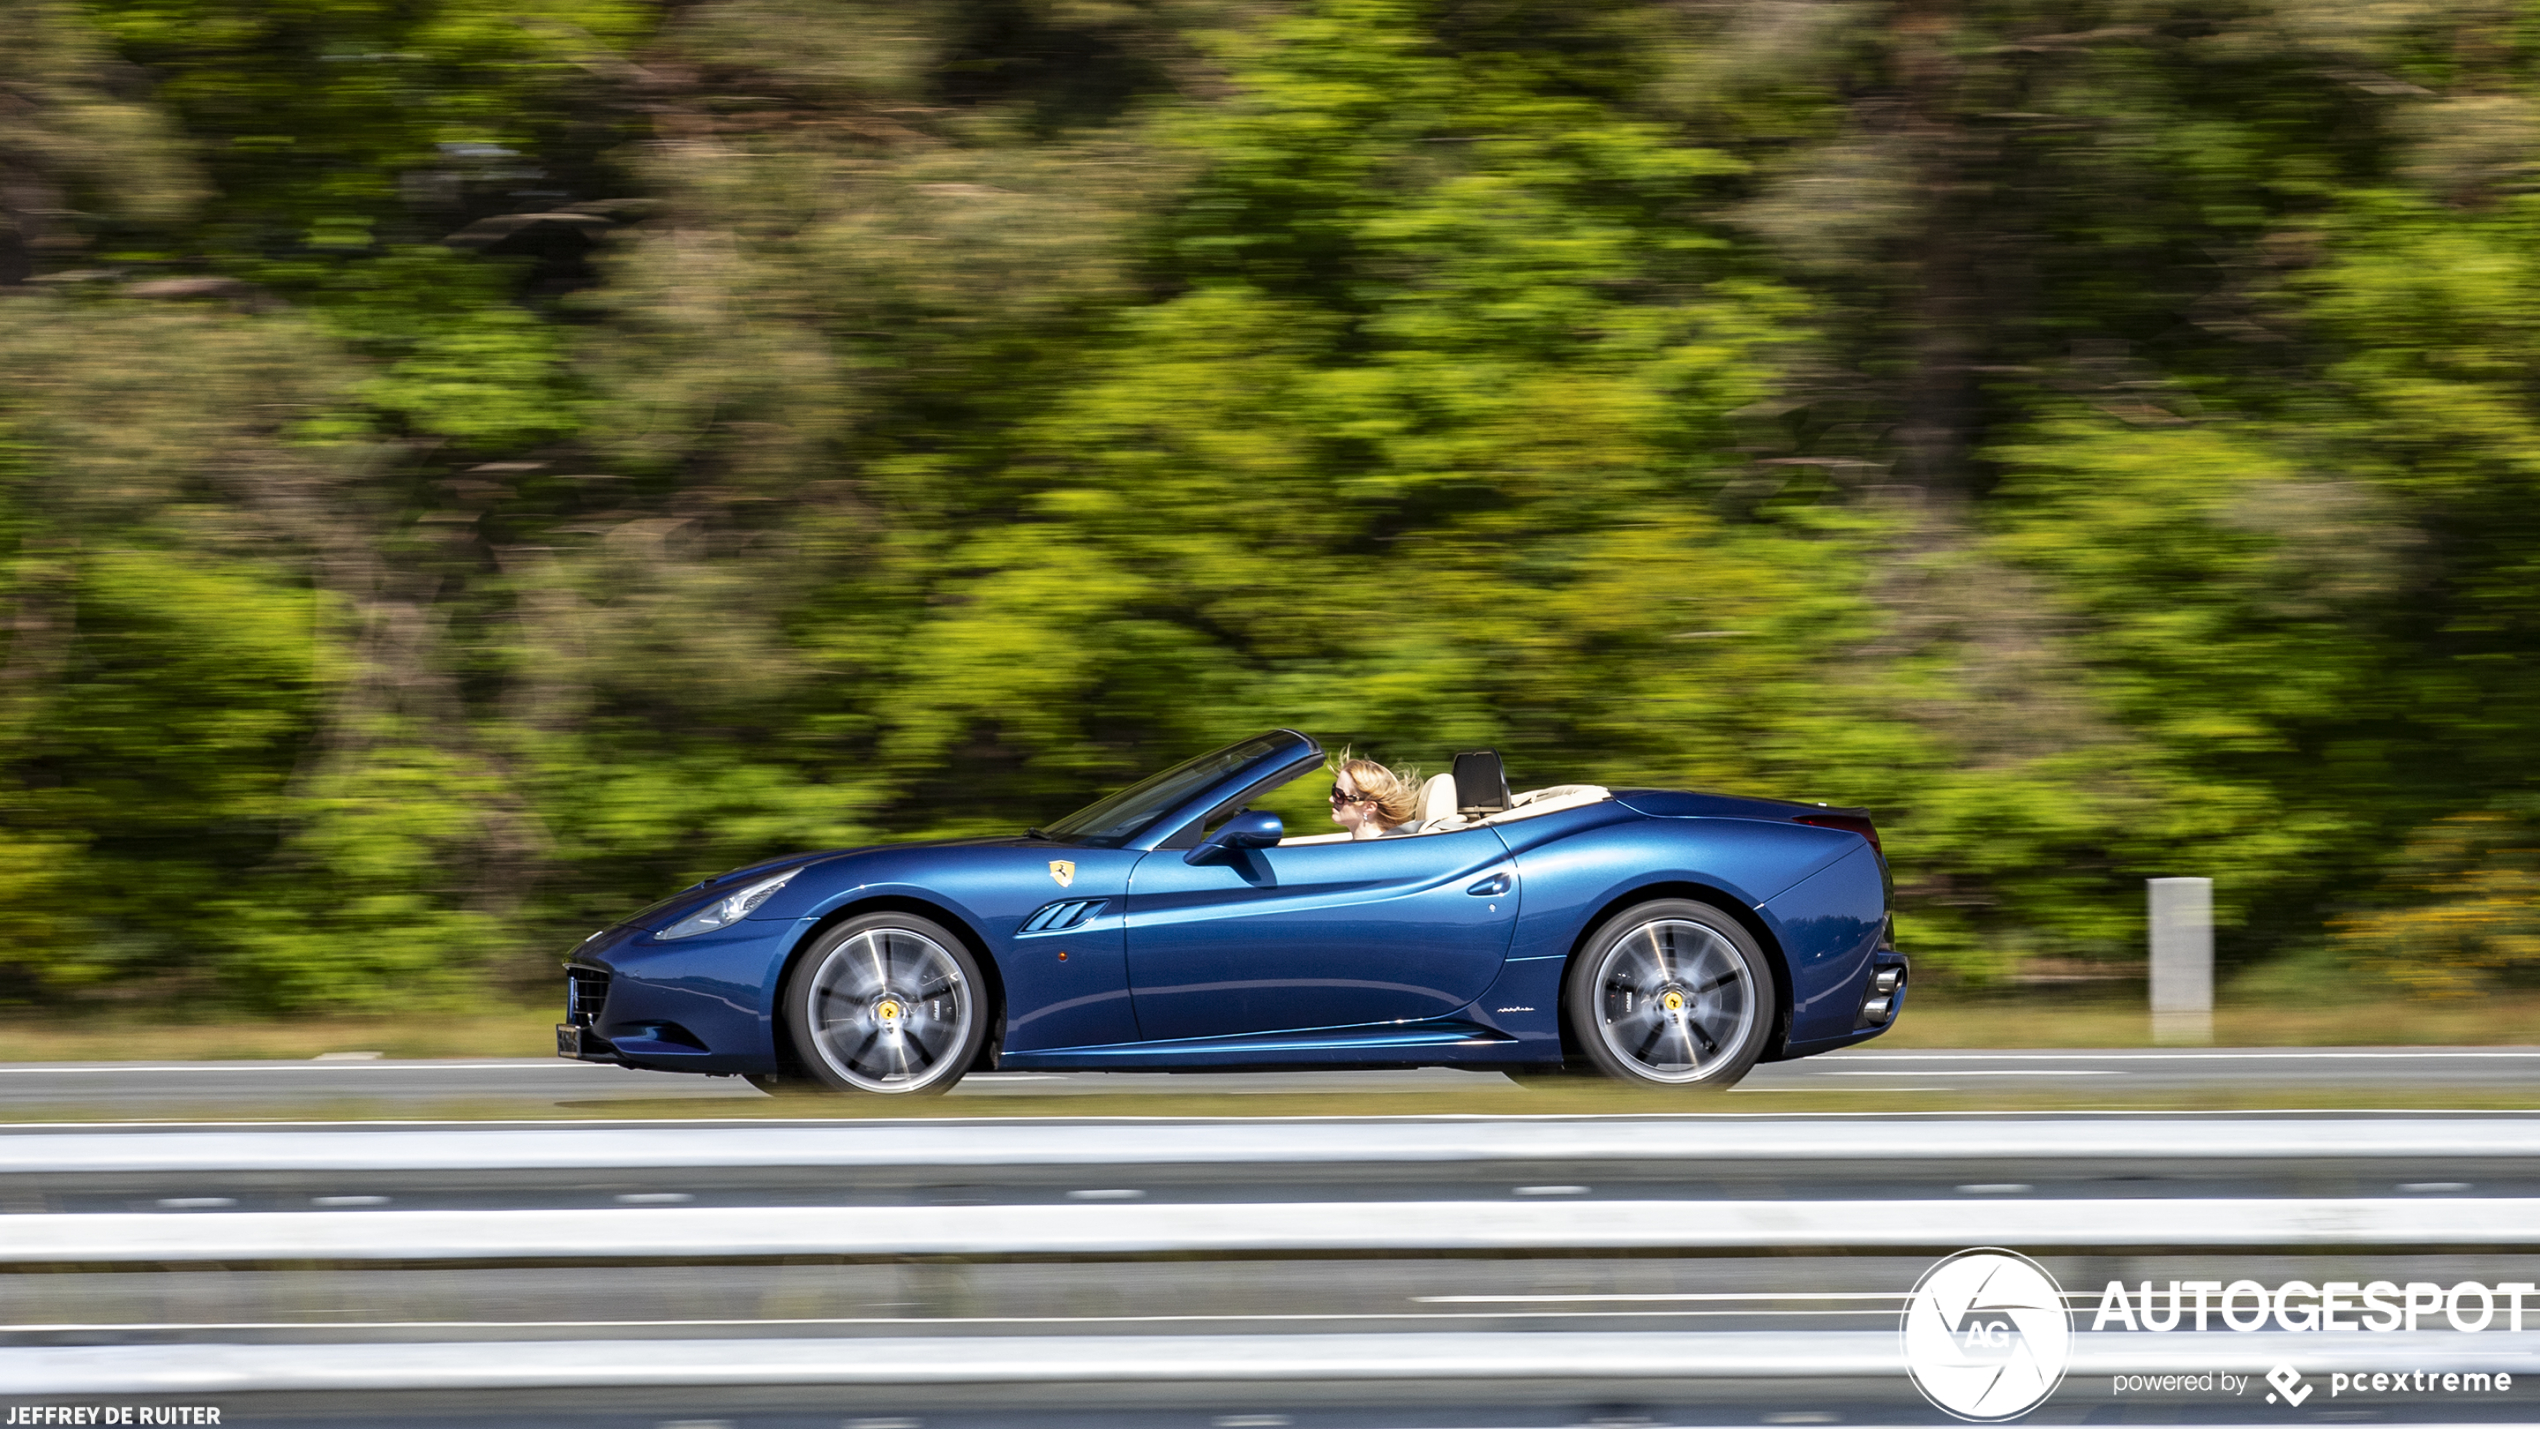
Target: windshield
[1117, 816]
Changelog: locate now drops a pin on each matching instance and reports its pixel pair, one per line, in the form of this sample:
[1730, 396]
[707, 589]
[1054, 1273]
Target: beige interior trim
[1552, 800]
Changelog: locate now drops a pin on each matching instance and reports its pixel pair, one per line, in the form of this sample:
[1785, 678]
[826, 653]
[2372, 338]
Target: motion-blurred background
[469, 466]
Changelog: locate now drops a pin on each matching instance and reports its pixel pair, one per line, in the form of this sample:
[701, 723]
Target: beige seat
[1437, 804]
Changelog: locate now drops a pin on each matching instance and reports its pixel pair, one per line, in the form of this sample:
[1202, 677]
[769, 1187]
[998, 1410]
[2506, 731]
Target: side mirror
[1249, 829]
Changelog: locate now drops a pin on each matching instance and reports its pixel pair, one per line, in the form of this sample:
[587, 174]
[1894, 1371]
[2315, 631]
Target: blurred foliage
[2467, 909]
[467, 466]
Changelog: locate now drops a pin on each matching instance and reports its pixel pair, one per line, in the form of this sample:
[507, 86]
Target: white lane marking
[178, 1326]
[1891, 1296]
[1550, 1190]
[2367, 1116]
[1974, 1072]
[654, 1198]
[2435, 1186]
[348, 1200]
[195, 1203]
[1741, 1091]
[455, 1064]
[1108, 1193]
[1997, 1188]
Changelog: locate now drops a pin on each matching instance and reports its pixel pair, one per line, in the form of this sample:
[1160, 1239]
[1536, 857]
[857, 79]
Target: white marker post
[2182, 960]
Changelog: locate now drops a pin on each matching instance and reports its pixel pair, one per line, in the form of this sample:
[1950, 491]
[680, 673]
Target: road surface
[120, 1090]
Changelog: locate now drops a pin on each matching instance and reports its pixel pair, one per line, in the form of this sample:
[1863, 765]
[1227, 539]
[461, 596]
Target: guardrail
[1609, 1359]
[459, 1239]
[1285, 1142]
[1272, 1228]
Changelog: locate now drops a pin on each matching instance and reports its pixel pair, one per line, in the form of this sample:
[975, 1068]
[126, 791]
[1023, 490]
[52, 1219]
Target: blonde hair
[1397, 796]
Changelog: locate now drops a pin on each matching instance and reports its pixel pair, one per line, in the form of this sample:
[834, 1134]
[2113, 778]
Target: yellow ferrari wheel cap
[1674, 1001]
[888, 1012]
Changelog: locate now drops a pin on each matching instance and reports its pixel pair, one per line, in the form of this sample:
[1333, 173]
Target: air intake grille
[1059, 917]
[586, 991]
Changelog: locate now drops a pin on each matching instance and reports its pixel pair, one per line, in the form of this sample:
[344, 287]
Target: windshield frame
[1158, 806]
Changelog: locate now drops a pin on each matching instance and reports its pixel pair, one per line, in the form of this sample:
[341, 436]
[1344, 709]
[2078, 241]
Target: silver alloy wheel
[1675, 1001]
[890, 1010]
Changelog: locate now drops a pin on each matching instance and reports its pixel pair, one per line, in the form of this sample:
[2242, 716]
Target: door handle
[1490, 887]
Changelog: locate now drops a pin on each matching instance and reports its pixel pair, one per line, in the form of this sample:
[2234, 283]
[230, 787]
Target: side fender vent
[1061, 916]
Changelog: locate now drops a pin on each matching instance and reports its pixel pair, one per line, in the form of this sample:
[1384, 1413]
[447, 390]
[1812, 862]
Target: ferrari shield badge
[1064, 871]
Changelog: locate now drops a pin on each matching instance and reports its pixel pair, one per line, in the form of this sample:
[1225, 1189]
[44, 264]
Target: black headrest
[1481, 786]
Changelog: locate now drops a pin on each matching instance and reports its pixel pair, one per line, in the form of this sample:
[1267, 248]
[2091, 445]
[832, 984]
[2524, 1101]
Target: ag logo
[1986, 1335]
[1064, 871]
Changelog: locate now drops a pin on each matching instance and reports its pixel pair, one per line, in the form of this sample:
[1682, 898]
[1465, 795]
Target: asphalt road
[144, 1089]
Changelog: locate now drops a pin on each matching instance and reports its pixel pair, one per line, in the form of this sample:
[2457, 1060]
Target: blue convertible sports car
[1655, 937]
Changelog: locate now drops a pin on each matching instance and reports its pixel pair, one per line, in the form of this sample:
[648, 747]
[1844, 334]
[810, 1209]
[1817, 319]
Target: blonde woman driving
[1373, 802]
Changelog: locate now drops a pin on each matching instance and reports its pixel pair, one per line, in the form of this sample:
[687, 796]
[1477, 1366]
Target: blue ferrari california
[1655, 937]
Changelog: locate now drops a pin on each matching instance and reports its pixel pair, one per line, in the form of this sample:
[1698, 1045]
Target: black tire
[889, 1004]
[1671, 993]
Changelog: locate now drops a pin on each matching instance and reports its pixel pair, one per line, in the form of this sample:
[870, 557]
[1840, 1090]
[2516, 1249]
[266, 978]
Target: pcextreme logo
[2288, 1385]
[1987, 1336]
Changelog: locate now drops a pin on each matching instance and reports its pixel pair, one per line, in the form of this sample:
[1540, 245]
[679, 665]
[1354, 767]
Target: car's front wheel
[886, 1003]
[1672, 993]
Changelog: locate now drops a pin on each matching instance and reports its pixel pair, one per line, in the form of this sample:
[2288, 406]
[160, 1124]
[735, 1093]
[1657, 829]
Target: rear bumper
[1879, 1008]
[1886, 995]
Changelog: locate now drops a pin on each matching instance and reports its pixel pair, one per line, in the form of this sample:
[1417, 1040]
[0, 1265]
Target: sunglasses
[1341, 796]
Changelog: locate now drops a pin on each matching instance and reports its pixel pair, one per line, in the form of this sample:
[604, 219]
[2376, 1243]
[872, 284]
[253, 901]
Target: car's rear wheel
[1672, 993]
[887, 1003]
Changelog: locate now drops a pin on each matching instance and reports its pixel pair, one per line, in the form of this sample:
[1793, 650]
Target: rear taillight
[1849, 823]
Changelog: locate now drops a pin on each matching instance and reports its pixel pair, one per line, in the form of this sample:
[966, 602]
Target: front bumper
[586, 997]
[702, 1004]
[581, 1044]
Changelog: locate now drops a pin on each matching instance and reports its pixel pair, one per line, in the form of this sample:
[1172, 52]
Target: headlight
[726, 911]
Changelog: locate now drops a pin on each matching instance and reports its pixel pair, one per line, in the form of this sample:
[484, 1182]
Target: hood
[706, 890]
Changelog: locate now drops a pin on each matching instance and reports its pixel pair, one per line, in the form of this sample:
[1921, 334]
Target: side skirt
[1391, 1044]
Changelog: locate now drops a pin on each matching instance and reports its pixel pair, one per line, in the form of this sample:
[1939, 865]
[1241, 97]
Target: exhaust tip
[1887, 984]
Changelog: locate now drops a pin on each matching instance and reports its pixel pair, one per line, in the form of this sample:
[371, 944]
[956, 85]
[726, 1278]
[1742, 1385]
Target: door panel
[1062, 956]
[1318, 935]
